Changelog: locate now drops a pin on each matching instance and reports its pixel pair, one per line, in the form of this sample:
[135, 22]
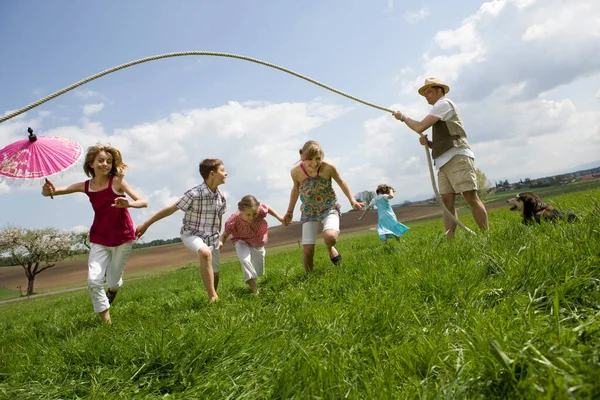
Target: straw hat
[429, 82]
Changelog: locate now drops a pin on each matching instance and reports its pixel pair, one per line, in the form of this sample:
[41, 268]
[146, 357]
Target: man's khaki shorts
[457, 175]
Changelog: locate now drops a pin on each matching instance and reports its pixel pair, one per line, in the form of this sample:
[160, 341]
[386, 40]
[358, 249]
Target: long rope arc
[180, 54]
[240, 57]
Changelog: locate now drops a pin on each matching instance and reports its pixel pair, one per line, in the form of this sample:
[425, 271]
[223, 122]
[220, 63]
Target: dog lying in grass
[533, 209]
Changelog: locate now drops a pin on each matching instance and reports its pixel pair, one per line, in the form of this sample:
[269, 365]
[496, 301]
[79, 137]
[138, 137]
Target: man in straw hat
[450, 151]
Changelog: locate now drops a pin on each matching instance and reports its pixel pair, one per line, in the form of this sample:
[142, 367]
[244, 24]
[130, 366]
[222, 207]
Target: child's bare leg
[105, 316]
[206, 272]
[216, 279]
[252, 284]
[330, 237]
[308, 257]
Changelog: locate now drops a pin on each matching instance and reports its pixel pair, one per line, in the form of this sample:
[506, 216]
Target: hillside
[75, 271]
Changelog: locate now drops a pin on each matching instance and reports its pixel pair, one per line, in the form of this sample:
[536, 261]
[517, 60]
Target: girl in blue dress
[387, 226]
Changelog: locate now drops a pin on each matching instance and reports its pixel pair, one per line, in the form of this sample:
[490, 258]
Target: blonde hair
[248, 201]
[118, 166]
[311, 149]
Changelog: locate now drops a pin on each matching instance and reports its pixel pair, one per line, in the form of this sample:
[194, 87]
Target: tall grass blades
[509, 313]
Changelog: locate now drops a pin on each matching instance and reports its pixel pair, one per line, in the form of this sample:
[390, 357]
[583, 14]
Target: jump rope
[239, 57]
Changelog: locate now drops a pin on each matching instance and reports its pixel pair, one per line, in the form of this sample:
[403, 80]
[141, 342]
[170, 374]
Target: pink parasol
[33, 159]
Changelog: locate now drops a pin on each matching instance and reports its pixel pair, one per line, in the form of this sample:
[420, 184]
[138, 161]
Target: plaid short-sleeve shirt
[203, 209]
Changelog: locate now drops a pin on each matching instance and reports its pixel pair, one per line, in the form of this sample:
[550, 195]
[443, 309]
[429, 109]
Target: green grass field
[547, 192]
[8, 293]
[511, 313]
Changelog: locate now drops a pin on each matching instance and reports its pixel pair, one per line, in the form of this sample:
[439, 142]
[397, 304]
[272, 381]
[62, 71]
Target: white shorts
[195, 243]
[311, 228]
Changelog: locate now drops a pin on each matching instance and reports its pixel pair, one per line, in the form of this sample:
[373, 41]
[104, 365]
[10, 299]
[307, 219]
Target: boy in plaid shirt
[204, 206]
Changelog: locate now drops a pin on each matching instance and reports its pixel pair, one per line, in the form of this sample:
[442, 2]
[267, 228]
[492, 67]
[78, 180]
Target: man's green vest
[448, 134]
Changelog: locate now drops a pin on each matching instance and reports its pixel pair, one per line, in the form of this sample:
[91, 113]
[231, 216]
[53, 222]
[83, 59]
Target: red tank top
[112, 226]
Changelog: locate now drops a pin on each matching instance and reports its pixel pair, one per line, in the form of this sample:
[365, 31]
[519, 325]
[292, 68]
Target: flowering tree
[81, 239]
[35, 249]
[483, 185]
[365, 195]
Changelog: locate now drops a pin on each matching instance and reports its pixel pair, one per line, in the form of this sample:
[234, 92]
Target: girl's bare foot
[213, 299]
[105, 316]
[252, 284]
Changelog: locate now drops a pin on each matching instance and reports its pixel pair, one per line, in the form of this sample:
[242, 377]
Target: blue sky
[525, 74]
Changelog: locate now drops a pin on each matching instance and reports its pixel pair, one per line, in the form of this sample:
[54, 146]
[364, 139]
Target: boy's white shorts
[195, 243]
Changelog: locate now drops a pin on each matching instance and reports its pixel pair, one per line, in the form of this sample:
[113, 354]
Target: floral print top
[317, 196]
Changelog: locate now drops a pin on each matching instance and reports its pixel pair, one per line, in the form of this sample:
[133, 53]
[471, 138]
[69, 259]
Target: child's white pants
[106, 261]
[252, 260]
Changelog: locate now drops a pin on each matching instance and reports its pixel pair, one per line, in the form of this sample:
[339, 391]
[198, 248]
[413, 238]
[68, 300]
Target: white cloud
[504, 64]
[578, 19]
[403, 72]
[543, 45]
[412, 17]
[523, 3]
[80, 229]
[89, 94]
[90, 109]
[535, 137]
[254, 139]
[4, 188]
[390, 5]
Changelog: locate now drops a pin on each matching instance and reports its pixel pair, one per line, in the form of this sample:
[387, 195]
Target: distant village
[562, 179]
[527, 183]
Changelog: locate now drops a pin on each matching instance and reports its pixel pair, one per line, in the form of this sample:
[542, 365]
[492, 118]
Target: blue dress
[388, 226]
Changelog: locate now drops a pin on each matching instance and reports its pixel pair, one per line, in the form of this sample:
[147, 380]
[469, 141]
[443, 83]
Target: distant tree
[506, 183]
[406, 203]
[156, 242]
[365, 195]
[35, 249]
[483, 185]
[81, 238]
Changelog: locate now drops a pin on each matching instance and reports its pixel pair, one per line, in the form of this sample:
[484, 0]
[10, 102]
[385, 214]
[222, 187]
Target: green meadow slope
[511, 313]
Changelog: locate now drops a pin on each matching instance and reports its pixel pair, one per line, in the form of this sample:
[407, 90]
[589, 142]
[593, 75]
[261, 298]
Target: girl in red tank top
[112, 232]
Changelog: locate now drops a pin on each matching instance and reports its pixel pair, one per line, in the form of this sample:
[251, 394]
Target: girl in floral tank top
[312, 183]
[112, 233]
[317, 197]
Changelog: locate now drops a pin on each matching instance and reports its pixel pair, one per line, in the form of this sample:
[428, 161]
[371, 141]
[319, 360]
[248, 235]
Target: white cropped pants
[252, 260]
[106, 261]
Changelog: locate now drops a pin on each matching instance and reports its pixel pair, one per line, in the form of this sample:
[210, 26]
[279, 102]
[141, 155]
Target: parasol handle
[47, 181]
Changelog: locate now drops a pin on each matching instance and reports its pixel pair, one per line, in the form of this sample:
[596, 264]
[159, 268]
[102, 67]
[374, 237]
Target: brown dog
[533, 209]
